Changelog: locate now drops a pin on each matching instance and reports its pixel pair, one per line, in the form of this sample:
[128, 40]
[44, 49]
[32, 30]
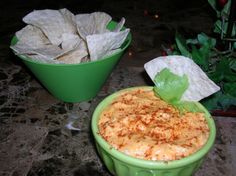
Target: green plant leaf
[205, 53]
[214, 6]
[175, 53]
[223, 72]
[218, 28]
[211, 102]
[200, 56]
[226, 10]
[182, 46]
[170, 87]
[234, 45]
[232, 63]
[226, 101]
[219, 101]
[206, 40]
[216, 76]
[202, 38]
[230, 88]
[192, 41]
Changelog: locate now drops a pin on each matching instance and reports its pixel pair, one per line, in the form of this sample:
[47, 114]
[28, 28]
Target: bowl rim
[111, 24]
[148, 163]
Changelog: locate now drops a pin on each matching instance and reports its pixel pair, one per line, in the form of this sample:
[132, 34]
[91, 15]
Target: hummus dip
[141, 125]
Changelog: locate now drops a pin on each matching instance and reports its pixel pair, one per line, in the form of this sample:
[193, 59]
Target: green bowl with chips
[75, 82]
[120, 164]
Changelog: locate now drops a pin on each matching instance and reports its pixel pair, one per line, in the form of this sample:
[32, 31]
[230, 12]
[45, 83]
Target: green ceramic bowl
[120, 164]
[75, 82]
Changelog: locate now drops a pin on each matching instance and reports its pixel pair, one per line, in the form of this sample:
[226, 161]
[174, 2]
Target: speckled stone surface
[35, 140]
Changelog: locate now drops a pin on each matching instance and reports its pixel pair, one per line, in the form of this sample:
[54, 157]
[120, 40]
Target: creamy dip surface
[140, 124]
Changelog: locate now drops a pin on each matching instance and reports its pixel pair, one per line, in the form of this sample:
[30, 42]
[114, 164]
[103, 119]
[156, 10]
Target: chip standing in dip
[159, 130]
[142, 125]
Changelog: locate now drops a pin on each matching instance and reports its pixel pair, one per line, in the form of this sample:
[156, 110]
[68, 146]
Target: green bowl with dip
[120, 164]
[75, 82]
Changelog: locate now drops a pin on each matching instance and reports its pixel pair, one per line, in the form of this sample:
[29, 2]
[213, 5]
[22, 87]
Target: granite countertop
[34, 136]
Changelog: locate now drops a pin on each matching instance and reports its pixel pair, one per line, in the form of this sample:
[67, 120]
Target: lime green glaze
[120, 164]
[75, 82]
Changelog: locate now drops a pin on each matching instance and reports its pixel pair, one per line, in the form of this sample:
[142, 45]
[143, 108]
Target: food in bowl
[175, 136]
[120, 164]
[66, 75]
[60, 37]
[142, 125]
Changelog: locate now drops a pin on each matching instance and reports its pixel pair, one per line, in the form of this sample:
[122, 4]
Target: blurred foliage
[216, 57]
[218, 65]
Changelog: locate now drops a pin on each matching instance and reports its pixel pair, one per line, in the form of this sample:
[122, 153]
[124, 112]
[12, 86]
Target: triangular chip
[111, 52]
[33, 36]
[40, 59]
[100, 44]
[94, 23]
[69, 19]
[120, 25]
[60, 35]
[75, 56]
[47, 51]
[52, 23]
[70, 41]
[200, 86]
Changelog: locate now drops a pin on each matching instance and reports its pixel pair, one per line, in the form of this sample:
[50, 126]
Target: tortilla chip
[75, 56]
[53, 34]
[52, 23]
[70, 41]
[47, 51]
[120, 25]
[200, 86]
[69, 19]
[41, 59]
[111, 52]
[100, 44]
[33, 36]
[94, 23]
